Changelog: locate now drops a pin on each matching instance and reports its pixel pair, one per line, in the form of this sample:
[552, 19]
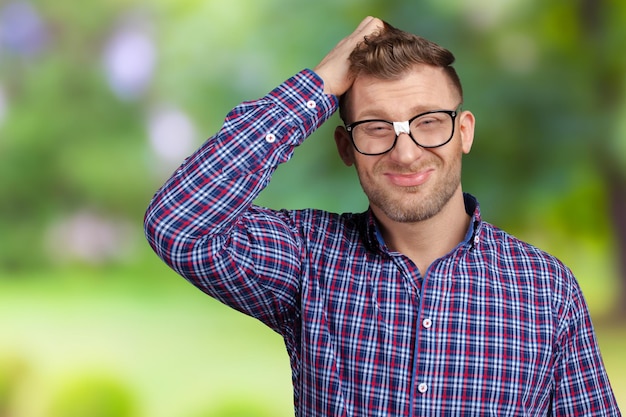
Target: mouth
[410, 179]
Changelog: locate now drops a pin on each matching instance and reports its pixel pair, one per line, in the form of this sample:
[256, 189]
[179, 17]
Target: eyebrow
[423, 109]
[374, 114]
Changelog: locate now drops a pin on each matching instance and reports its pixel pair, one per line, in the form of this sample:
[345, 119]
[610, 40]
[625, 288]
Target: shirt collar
[472, 208]
[375, 242]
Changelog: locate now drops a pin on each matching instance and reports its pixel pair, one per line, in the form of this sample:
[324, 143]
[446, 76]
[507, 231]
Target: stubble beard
[410, 204]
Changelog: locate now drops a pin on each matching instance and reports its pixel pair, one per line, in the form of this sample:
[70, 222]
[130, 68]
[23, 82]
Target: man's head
[391, 53]
[403, 110]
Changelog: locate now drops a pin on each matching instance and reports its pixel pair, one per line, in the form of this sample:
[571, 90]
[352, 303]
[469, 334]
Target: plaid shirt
[496, 327]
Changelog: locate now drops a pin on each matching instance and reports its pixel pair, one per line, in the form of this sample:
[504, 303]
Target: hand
[335, 67]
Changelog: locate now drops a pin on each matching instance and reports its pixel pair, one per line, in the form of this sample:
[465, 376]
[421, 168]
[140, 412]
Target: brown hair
[392, 52]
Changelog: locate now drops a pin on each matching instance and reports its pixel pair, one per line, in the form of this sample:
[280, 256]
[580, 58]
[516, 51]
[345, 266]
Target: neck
[430, 239]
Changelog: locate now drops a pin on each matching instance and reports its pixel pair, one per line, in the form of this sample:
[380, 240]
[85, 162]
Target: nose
[406, 150]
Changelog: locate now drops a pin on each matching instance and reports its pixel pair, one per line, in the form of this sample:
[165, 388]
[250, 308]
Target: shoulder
[502, 245]
[534, 274]
[524, 262]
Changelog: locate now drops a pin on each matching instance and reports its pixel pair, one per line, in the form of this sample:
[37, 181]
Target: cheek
[365, 165]
[365, 174]
[456, 149]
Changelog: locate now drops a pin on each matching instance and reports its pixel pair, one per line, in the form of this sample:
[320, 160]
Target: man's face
[408, 183]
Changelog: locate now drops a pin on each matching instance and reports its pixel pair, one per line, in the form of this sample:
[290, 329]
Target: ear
[466, 129]
[344, 145]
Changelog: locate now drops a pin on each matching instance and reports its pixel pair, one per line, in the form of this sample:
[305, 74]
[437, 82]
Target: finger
[364, 23]
[368, 25]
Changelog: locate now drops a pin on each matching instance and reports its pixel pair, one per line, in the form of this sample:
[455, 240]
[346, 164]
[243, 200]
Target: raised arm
[202, 222]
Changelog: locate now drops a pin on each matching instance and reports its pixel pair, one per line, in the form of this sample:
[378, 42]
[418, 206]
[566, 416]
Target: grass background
[160, 347]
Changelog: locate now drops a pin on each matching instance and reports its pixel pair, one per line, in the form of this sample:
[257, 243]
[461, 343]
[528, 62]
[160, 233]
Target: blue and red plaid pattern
[494, 328]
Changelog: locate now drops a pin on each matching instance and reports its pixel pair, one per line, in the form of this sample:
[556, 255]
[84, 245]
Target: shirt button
[270, 138]
[427, 323]
[476, 240]
[311, 104]
[422, 388]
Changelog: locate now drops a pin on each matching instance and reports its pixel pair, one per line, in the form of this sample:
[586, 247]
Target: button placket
[427, 324]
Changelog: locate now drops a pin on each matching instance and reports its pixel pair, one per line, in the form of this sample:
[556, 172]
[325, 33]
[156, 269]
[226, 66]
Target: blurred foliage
[238, 408]
[545, 79]
[94, 396]
[13, 371]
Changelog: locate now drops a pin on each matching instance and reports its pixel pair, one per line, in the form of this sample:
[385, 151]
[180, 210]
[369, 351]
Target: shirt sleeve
[202, 222]
[582, 387]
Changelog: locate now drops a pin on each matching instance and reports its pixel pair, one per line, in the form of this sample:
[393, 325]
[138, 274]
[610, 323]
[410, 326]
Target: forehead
[423, 88]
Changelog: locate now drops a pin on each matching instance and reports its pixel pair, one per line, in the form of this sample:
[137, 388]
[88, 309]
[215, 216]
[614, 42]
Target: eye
[377, 129]
[431, 121]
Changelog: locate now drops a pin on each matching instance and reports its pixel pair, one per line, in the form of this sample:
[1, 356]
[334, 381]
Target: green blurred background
[101, 100]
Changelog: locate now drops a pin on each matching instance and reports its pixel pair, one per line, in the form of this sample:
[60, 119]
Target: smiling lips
[411, 179]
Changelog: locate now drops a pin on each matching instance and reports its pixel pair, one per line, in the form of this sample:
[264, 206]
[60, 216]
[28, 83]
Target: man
[416, 307]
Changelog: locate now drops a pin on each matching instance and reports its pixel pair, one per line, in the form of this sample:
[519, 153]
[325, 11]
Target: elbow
[155, 233]
[169, 241]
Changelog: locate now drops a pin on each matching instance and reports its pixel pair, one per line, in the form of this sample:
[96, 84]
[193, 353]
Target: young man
[416, 307]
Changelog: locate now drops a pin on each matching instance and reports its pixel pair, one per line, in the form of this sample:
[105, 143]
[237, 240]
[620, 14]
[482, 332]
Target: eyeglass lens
[428, 130]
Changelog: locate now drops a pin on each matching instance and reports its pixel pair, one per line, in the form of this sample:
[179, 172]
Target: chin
[413, 216]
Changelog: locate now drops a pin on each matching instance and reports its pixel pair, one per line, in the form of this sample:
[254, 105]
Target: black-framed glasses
[430, 129]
